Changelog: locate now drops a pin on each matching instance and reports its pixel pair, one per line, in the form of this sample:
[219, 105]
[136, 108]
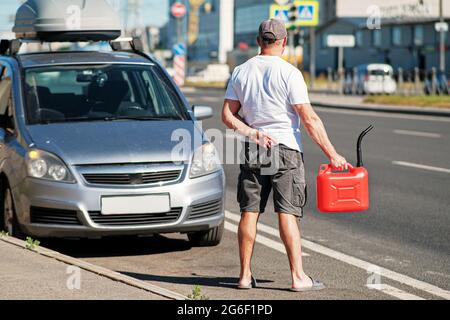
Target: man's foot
[247, 283]
[307, 284]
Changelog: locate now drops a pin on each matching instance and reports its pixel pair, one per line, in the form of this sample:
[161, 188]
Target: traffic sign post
[341, 41]
[292, 16]
[306, 15]
[178, 10]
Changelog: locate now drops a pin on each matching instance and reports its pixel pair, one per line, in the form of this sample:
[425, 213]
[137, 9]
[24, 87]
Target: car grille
[54, 216]
[136, 219]
[132, 178]
[206, 209]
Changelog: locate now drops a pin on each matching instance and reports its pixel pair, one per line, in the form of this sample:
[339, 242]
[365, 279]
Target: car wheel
[9, 218]
[210, 238]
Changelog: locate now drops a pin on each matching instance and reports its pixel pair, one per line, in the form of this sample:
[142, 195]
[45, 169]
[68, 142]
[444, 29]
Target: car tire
[8, 221]
[210, 238]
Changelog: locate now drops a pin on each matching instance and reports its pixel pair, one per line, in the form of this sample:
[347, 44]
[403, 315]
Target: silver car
[89, 148]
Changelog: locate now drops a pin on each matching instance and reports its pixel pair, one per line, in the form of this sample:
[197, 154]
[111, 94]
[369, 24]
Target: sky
[154, 12]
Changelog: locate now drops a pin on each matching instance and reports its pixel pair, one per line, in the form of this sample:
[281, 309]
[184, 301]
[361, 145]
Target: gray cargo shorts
[280, 169]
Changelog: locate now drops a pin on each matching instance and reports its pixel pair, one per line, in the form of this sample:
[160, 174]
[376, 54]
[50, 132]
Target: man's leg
[290, 234]
[247, 237]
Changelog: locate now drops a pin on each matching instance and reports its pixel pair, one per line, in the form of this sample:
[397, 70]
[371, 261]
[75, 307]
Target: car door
[5, 102]
[11, 152]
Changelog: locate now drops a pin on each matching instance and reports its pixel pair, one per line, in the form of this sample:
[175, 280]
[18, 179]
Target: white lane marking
[262, 240]
[420, 166]
[395, 292]
[386, 273]
[418, 134]
[382, 114]
[188, 90]
[207, 99]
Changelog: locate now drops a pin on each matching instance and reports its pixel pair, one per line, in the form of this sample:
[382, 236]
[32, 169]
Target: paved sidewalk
[27, 275]
[357, 102]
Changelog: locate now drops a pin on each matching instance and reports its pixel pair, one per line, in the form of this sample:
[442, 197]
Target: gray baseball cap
[272, 29]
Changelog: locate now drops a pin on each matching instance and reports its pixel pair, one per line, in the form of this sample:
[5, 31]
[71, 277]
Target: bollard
[355, 81]
[341, 73]
[433, 81]
[417, 81]
[330, 79]
[400, 81]
[410, 88]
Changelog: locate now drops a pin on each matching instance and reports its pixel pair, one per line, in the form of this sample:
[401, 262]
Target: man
[273, 98]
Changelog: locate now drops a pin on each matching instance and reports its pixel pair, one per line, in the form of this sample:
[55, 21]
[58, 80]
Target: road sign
[282, 2]
[179, 49]
[441, 27]
[178, 10]
[307, 13]
[341, 41]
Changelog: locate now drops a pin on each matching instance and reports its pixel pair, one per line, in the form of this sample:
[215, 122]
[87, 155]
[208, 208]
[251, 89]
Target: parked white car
[376, 79]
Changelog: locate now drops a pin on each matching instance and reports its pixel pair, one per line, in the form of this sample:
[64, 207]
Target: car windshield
[100, 93]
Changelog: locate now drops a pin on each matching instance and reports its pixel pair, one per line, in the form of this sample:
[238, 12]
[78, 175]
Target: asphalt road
[405, 234]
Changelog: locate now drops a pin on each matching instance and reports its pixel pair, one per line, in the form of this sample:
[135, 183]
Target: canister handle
[328, 168]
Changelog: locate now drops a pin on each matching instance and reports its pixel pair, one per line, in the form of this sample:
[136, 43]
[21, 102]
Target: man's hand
[339, 162]
[262, 139]
[231, 118]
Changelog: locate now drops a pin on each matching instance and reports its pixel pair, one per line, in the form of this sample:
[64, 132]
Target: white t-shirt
[267, 87]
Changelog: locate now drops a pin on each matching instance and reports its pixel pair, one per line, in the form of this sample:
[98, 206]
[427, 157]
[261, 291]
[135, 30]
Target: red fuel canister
[339, 191]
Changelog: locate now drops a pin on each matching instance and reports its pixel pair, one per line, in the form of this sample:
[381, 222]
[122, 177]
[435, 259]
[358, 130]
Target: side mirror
[202, 112]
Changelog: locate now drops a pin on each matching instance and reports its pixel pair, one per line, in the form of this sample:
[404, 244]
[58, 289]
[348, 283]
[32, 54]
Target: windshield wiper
[107, 119]
[46, 121]
[144, 118]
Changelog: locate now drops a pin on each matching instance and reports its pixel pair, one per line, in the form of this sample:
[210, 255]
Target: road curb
[101, 271]
[382, 108]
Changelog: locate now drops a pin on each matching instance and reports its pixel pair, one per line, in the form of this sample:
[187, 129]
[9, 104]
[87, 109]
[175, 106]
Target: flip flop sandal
[252, 285]
[316, 286]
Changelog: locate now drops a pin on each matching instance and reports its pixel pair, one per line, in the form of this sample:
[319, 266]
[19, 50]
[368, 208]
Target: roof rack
[10, 47]
[135, 44]
[48, 21]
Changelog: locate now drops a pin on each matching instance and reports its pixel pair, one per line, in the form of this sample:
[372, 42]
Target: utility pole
[312, 57]
[442, 66]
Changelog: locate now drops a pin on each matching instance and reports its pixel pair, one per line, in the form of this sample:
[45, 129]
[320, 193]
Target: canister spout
[359, 149]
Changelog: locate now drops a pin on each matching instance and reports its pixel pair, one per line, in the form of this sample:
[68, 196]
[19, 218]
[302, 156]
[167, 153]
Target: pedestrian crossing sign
[307, 13]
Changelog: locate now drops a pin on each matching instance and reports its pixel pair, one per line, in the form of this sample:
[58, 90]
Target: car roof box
[67, 21]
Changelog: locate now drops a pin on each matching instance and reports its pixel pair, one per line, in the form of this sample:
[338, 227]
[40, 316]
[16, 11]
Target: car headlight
[44, 165]
[205, 161]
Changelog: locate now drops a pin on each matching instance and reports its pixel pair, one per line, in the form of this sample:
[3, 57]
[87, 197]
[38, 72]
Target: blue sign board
[179, 49]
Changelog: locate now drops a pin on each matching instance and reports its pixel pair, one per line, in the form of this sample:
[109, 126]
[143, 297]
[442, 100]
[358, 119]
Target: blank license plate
[136, 204]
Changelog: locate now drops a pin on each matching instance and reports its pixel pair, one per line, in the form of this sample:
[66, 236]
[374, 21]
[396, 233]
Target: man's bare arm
[316, 130]
[232, 119]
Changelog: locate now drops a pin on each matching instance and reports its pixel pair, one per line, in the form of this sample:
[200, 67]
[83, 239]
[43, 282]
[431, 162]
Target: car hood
[116, 142]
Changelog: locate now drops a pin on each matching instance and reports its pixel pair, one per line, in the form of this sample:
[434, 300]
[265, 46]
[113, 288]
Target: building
[250, 13]
[207, 28]
[401, 34]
